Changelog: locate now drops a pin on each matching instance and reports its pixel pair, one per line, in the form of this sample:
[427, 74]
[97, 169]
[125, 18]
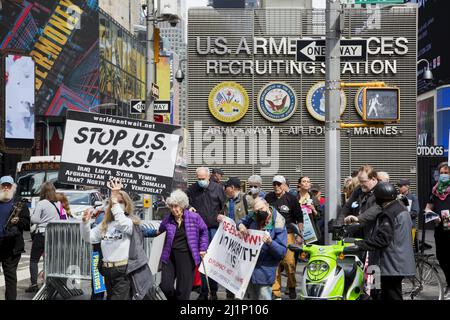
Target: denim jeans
[212, 284]
[259, 291]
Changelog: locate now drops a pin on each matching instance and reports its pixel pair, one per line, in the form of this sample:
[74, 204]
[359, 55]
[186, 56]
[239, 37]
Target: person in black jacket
[207, 198]
[11, 233]
[392, 238]
[288, 206]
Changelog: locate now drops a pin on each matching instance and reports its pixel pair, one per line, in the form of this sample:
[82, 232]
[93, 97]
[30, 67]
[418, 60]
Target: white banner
[309, 234]
[155, 252]
[231, 259]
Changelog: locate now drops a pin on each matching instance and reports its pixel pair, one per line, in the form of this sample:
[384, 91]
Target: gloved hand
[351, 249]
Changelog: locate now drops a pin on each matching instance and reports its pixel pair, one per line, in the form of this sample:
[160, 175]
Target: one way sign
[314, 50]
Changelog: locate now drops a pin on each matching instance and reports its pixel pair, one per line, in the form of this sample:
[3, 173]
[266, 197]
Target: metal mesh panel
[305, 154]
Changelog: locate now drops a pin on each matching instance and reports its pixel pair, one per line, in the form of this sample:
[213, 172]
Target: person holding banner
[185, 245]
[273, 251]
[207, 198]
[287, 205]
[124, 263]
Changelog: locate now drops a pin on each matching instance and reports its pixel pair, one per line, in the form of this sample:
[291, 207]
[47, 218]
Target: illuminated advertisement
[62, 38]
[19, 97]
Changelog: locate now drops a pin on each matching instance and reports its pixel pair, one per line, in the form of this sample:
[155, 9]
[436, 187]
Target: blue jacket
[270, 256]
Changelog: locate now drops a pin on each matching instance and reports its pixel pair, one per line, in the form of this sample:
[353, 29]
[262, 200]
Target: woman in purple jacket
[185, 245]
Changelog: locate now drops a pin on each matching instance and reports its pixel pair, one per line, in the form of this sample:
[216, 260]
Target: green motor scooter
[332, 272]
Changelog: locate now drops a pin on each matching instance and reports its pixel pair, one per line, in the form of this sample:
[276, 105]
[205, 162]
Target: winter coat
[12, 240]
[196, 234]
[393, 239]
[270, 255]
[208, 202]
[138, 269]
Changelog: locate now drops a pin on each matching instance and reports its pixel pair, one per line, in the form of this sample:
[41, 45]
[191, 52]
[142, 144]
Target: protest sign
[155, 252]
[99, 147]
[431, 216]
[309, 234]
[231, 258]
[97, 279]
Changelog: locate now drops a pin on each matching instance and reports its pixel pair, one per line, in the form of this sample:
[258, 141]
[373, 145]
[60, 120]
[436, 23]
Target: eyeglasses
[276, 184]
[120, 201]
[253, 186]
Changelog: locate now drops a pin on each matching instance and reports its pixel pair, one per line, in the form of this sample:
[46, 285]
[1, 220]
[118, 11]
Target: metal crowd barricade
[67, 261]
[155, 292]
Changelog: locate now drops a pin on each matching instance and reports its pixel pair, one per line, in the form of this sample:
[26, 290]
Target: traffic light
[381, 104]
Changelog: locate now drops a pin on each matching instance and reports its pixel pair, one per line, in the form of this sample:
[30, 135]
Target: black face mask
[261, 216]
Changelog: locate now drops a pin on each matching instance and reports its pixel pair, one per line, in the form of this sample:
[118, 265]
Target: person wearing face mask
[264, 217]
[236, 207]
[207, 198]
[287, 206]
[254, 187]
[12, 226]
[392, 239]
[124, 263]
[439, 202]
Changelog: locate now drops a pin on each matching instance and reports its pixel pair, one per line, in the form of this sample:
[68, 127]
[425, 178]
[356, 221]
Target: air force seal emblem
[315, 101]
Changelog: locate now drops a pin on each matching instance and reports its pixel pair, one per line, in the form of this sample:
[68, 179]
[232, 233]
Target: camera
[179, 75]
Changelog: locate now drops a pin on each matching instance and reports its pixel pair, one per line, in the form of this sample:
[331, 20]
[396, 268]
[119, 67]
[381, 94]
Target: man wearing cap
[216, 175]
[287, 205]
[236, 207]
[11, 234]
[413, 202]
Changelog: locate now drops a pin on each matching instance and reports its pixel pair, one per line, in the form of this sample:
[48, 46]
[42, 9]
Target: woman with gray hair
[185, 245]
[254, 187]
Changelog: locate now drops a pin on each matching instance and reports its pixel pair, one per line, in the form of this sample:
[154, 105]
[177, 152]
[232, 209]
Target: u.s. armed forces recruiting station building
[253, 109]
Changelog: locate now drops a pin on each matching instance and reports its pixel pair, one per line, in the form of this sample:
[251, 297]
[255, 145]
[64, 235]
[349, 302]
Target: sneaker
[32, 289]
[292, 294]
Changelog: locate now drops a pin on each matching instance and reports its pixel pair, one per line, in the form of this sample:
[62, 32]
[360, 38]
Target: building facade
[253, 109]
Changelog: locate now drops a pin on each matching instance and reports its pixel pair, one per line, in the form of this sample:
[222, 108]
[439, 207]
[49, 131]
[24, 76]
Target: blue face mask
[444, 177]
[202, 183]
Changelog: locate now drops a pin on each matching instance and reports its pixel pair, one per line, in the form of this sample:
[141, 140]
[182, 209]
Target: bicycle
[426, 284]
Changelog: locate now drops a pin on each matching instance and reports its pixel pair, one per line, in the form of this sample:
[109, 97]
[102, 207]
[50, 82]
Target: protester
[14, 219]
[254, 186]
[236, 207]
[46, 211]
[124, 263]
[412, 204]
[350, 184]
[216, 175]
[272, 252]
[185, 245]
[64, 207]
[288, 206]
[319, 205]
[361, 207]
[207, 198]
[392, 239]
[306, 201]
[439, 202]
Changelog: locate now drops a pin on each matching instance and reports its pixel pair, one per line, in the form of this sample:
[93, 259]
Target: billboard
[19, 97]
[425, 122]
[62, 38]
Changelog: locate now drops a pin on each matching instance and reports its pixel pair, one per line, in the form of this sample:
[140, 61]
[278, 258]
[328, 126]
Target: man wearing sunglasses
[287, 205]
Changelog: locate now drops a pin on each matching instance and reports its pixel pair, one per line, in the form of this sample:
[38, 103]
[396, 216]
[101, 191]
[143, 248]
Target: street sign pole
[332, 113]
[150, 70]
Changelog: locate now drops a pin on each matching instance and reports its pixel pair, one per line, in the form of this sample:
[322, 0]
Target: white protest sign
[99, 147]
[231, 259]
[309, 234]
[155, 252]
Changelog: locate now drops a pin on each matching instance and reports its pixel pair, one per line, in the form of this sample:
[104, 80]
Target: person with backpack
[236, 207]
[46, 211]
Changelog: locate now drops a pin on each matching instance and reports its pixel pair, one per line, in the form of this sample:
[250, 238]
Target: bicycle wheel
[425, 285]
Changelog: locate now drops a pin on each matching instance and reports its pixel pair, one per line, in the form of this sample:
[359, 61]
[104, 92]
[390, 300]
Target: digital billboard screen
[19, 97]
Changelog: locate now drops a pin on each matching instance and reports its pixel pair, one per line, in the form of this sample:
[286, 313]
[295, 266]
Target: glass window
[75, 198]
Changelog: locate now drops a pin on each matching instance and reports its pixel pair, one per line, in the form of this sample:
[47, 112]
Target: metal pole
[150, 70]
[48, 137]
[332, 113]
